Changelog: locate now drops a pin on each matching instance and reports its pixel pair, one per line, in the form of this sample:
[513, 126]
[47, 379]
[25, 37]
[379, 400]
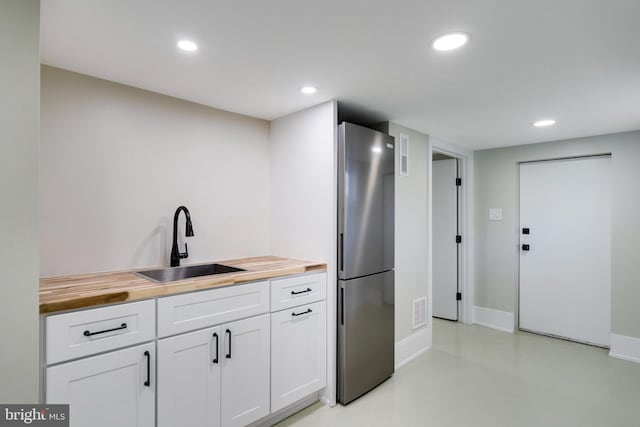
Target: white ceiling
[577, 61]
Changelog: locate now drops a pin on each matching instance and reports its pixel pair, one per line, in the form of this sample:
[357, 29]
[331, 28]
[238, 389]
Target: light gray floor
[474, 377]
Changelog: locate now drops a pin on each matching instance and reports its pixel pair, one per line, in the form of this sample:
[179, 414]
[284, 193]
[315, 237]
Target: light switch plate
[495, 214]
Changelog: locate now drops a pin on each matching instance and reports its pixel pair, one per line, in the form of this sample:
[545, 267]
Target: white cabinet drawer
[186, 312]
[87, 332]
[294, 291]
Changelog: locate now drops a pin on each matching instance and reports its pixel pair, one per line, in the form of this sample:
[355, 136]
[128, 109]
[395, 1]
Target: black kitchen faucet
[176, 255]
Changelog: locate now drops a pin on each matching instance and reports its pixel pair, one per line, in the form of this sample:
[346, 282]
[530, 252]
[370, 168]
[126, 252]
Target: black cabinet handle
[215, 360]
[525, 247]
[88, 334]
[228, 356]
[300, 314]
[301, 292]
[148, 381]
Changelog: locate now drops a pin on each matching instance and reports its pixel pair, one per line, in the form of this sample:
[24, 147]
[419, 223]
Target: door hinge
[458, 296]
[458, 181]
[458, 239]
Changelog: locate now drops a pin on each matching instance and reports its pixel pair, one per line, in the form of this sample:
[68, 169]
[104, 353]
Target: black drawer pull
[300, 314]
[228, 356]
[216, 358]
[88, 334]
[147, 383]
[301, 292]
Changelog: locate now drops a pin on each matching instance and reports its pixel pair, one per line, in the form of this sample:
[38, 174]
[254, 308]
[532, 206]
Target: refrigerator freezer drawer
[365, 334]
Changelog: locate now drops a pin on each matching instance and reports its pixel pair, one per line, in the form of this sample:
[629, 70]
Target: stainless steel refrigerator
[365, 260]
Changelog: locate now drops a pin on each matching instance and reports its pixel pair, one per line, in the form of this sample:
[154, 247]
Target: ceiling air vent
[404, 154]
[419, 312]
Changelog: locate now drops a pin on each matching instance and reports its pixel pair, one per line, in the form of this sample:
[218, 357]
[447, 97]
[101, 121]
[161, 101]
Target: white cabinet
[215, 377]
[113, 389]
[298, 353]
[189, 379]
[223, 360]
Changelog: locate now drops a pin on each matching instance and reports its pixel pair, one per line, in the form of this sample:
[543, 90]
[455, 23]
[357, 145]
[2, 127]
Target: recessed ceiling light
[308, 90]
[544, 123]
[187, 45]
[450, 41]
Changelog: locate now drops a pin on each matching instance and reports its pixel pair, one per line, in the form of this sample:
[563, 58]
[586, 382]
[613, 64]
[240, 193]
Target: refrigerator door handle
[342, 306]
[341, 251]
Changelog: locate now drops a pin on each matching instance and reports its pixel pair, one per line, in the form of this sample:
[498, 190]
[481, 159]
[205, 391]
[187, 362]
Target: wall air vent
[404, 154]
[419, 312]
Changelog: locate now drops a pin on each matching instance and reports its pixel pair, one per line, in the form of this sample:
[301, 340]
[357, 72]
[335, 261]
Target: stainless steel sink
[173, 274]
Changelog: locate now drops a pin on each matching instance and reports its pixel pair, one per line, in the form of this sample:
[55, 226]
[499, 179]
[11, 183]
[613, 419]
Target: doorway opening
[463, 290]
[446, 236]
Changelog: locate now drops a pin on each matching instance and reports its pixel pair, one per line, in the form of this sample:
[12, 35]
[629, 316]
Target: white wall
[19, 117]
[117, 161]
[303, 200]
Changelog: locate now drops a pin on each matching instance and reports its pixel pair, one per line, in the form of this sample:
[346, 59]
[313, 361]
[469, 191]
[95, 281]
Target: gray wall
[411, 251]
[19, 123]
[115, 163]
[497, 185]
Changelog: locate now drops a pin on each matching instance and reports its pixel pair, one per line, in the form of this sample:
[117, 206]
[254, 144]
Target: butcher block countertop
[72, 292]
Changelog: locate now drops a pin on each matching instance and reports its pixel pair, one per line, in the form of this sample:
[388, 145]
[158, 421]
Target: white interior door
[445, 250]
[565, 275]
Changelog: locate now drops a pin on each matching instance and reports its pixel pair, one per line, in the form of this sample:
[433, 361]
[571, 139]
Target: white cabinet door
[189, 379]
[113, 389]
[298, 353]
[245, 371]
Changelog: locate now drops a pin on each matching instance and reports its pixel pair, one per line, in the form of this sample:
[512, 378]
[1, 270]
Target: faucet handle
[185, 254]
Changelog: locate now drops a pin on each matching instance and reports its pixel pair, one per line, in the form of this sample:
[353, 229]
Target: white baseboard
[411, 347]
[494, 319]
[275, 418]
[624, 347]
